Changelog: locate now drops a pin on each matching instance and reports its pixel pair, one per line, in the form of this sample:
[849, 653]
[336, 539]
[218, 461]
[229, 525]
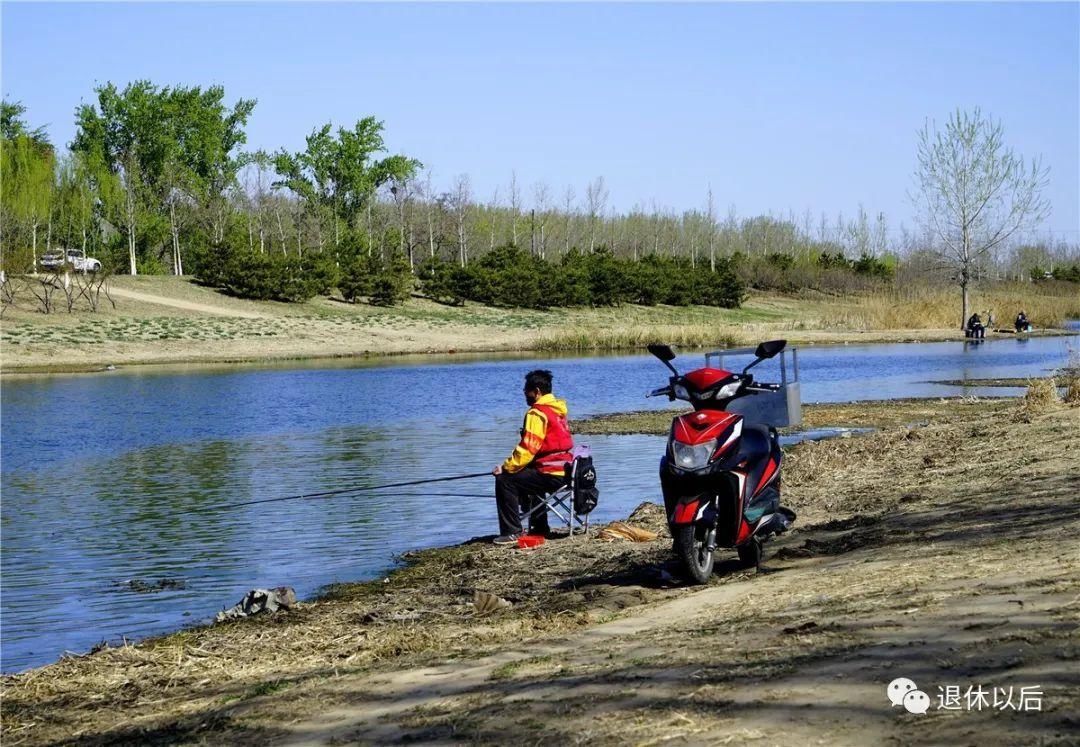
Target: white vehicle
[56, 259]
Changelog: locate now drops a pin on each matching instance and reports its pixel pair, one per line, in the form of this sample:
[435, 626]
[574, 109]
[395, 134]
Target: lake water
[112, 477]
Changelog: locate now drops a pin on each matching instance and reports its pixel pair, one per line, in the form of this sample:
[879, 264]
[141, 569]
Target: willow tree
[974, 193]
[28, 168]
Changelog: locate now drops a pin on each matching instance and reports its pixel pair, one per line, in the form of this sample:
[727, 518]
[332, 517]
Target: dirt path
[177, 303]
[429, 688]
[799, 655]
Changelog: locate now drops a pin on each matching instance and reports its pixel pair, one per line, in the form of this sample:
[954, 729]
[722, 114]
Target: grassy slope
[140, 332]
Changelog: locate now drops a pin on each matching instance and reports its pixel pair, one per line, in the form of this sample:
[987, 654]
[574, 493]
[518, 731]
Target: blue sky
[780, 107]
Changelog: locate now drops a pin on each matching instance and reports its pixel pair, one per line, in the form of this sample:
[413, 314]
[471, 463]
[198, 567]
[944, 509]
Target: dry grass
[939, 308]
[1041, 395]
[910, 539]
[866, 414]
[607, 338]
[1069, 378]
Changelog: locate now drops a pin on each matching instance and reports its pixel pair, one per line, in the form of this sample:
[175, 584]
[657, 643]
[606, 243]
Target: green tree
[12, 124]
[149, 149]
[75, 204]
[28, 166]
[336, 175]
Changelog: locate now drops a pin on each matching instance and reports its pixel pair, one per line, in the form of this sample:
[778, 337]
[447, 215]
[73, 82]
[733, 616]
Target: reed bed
[1041, 393]
[939, 308]
[599, 338]
[907, 308]
[1069, 379]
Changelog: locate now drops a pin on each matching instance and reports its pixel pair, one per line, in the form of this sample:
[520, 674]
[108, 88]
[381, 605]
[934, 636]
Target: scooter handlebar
[658, 392]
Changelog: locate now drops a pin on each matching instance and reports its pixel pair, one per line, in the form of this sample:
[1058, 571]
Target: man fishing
[538, 463]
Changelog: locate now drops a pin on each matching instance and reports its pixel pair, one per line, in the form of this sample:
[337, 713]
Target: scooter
[720, 475]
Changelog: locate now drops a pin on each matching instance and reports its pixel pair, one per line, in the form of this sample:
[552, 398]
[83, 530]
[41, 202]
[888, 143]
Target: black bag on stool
[583, 478]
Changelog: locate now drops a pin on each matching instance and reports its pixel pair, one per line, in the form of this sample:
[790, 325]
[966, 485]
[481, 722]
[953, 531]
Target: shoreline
[410, 657]
[871, 414]
[144, 360]
[877, 414]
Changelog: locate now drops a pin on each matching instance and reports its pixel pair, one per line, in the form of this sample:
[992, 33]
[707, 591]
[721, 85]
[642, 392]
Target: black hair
[539, 379]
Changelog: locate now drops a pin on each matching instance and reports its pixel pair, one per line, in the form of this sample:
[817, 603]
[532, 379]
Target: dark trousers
[523, 489]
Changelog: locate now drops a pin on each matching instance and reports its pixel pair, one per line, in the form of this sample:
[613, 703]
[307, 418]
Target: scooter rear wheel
[692, 550]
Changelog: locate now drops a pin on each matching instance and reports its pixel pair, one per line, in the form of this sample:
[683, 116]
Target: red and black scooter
[720, 475]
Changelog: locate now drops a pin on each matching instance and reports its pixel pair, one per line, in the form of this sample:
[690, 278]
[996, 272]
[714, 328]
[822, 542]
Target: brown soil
[939, 552]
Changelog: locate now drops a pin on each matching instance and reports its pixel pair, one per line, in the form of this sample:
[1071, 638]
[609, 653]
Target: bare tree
[974, 192]
[568, 216]
[710, 214]
[460, 201]
[542, 197]
[596, 196]
[255, 191]
[858, 232]
[823, 232]
[401, 189]
[657, 227]
[493, 214]
[279, 200]
[90, 286]
[515, 207]
[431, 205]
[129, 218]
[7, 292]
[44, 286]
[880, 240]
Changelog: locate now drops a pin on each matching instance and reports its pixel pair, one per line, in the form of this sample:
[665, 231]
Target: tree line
[157, 180]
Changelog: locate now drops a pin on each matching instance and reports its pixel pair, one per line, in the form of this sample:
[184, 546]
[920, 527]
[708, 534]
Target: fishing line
[343, 491]
[301, 496]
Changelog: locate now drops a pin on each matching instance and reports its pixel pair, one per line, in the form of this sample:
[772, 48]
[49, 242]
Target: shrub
[392, 282]
[358, 277]
[1069, 273]
[611, 281]
[266, 277]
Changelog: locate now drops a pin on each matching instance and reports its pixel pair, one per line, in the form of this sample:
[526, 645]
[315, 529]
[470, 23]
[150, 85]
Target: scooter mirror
[663, 352]
[770, 348]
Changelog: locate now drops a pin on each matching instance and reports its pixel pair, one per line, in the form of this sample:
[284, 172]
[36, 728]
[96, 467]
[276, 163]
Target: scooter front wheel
[693, 551]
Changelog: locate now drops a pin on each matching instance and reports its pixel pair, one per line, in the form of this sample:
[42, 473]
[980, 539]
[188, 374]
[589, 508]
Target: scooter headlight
[681, 392]
[728, 390]
[693, 457]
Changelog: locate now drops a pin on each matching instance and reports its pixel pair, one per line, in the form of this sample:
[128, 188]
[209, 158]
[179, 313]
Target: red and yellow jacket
[545, 439]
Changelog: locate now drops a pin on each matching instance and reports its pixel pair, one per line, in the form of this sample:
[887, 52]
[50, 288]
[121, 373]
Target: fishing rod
[322, 494]
[343, 491]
